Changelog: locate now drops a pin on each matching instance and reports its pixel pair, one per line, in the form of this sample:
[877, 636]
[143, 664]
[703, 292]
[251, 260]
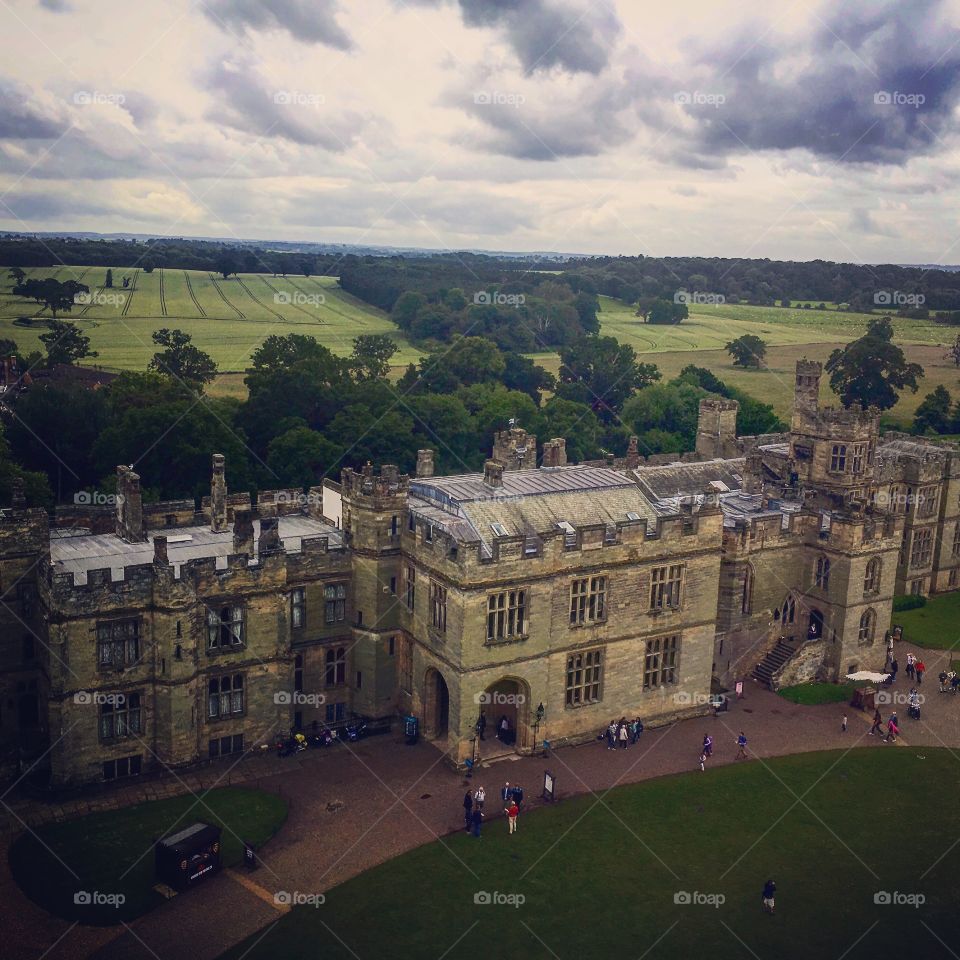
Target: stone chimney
[633, 454]
[160, 551]
[243, 532]
[424, 463]
[493, 474]
[515, 449]
[218, 495]
[129, 506]
[555, 452]
[18, 497]
[269, 536]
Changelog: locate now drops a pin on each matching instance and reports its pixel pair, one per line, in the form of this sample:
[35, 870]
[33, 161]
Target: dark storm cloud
[22, 120]
[547, 33]
[870, 83]
[246, 102]
[309, 21]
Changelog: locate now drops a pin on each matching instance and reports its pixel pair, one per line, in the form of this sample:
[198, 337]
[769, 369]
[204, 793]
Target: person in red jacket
[512, 812]
[919, 668]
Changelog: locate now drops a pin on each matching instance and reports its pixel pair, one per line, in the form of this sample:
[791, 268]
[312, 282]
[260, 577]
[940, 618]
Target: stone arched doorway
[815, 629]
[436, 705]
[508, 699]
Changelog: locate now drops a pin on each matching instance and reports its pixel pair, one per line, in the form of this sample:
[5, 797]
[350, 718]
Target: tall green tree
[181, 359]
[935, 413]
[371, 356]
[872, 370]
[747, 351]
[66, 343]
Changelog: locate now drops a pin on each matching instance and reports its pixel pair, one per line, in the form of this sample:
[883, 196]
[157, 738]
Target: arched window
[746, 603]
[868, 622]
[871, 579]
[788, 612]
[822, 577]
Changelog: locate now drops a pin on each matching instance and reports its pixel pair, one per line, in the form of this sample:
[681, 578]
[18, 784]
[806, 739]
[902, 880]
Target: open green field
[112, 852]
[674, 868]
[228, 319]
[935, 626]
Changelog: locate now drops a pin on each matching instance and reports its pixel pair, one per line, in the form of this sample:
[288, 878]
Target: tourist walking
[467, 810]
[894, 667]
[892, 730]
[505, 792]
[911, 660]
[477, 821]
[479, 798]
[703, 761]
[943, 681]
[877, 724]
[708, 745]
[516, 794]
[768, 896]
[624, 736]
[843, 724]
[741, 747]
[612, 735]
[919, 668]
[512, 812]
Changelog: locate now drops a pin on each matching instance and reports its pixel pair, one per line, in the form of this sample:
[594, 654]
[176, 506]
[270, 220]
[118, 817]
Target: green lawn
[112, 852]
[603, 880]
[935, 626]
[811, 694]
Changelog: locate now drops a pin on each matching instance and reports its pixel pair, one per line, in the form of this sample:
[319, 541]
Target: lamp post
[536, 724]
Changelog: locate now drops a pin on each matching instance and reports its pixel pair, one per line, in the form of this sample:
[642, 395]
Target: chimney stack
[633, 454]
[129, 506]
[555, 452]
[493, 474]
[243, 532]
[424, 463]
[19, 499]
[218, 495]
[269, 536]
[160, 551]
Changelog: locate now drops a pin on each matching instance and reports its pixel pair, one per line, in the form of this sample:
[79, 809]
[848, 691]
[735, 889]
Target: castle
[143, 636]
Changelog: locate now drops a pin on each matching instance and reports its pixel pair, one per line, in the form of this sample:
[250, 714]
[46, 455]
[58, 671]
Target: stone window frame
[868, 626]
[507, 615]
[335, 602]
[132, 767]
[821, 574]
[746, 597]
[438, 605]
[921, 548]
[588, 600]
[129, 647]
[228, 633]
[125, 718]
[838, 458]
[230, 693]
[872, 576]
[335, 666]
[410, 586]
[661, 661]
[927, 502]
[298, 608]
[583, 682]
[235, 741]
[666, 587]
[955, 549]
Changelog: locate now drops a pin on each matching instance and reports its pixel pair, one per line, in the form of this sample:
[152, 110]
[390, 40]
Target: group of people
[892, 726]
[505, 733]
[706, 749]
[473, 803]
[622, 732]
[949, 681]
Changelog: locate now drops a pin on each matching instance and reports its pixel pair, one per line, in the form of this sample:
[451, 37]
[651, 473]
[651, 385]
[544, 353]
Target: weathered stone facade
[556, 597]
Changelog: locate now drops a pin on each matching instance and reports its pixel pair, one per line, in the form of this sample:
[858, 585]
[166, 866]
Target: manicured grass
[112, 852]
[600, 878]
[811, 694]
[936, 625]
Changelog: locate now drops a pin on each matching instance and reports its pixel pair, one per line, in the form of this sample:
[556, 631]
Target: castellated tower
[717, 428]
[374, 515]
[515, 449]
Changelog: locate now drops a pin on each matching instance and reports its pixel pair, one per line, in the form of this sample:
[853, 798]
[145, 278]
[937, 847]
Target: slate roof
[690, 479]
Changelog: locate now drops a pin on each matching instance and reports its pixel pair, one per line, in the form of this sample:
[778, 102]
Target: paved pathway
[355, 806]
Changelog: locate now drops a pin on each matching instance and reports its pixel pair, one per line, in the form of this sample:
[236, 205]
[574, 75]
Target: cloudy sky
[728, 127]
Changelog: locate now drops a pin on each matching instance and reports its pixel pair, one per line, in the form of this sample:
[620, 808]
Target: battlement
[23, 532]
[365, 483]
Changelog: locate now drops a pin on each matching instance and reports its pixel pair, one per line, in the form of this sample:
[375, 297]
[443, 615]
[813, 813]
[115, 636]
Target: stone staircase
[772, 663]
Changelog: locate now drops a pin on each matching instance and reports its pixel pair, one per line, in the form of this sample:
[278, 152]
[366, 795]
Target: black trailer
[188, 856]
